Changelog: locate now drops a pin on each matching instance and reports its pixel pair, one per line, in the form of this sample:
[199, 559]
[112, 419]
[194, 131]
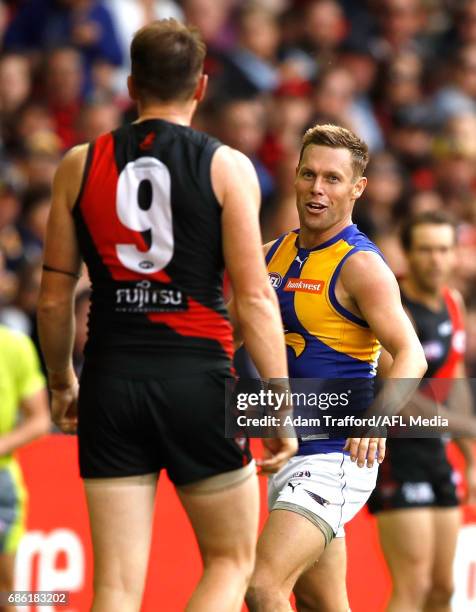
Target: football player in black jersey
[157, 210]
[415, 499]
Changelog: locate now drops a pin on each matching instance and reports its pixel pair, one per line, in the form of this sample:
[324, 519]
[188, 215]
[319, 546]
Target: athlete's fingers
[352, 445]
[382, 446]
[273, 462]
[371, 451]
[362, 451]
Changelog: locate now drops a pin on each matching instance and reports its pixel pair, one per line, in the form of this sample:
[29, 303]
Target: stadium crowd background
[400, 73]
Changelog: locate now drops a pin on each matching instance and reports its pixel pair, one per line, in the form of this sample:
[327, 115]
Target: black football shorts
[130, 426]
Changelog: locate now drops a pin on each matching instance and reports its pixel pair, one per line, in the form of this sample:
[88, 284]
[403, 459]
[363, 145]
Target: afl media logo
[275, 279]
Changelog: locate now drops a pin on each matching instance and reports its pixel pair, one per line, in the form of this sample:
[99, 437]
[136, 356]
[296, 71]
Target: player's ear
[131, 88]
[201, 88]
[359, 187]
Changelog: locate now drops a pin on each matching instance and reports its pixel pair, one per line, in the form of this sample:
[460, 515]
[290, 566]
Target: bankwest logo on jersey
[305, 285]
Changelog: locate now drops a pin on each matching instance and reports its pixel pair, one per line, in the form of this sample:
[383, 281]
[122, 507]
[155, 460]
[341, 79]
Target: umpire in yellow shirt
[24, 416]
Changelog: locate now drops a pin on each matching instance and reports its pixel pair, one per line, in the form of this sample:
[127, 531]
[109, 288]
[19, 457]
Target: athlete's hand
[277, 451]
[365, 450]
[64, 408]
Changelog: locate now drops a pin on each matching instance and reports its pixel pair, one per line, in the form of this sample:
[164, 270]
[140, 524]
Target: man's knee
[414, 587]
[264, 591]
[440, 594]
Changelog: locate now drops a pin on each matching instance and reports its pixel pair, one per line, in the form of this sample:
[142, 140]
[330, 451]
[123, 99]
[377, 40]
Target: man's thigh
[323, 586]
[288, 546]
[446, 525]
[225, 520]
[121, 514]
[408, 543]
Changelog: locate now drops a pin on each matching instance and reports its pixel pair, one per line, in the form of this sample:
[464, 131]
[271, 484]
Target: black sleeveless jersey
[441, 334]
[149, 229]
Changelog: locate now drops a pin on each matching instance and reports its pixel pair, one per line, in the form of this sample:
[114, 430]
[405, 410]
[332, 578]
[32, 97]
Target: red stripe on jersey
[199, 322]
[456, 352]
[440, 390]
[99, 212]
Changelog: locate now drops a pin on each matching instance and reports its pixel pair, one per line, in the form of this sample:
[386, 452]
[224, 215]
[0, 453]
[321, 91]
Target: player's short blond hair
[338, 137]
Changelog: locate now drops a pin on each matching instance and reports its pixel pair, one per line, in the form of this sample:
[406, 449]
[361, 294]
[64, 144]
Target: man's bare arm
[371, 285]
[255, 303]
[35, 422]
[237, 335]
[374, 288]
[62, 261]
[56, 302]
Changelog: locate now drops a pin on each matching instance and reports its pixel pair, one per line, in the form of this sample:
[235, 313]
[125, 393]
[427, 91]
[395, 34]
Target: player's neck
[309, 239]
[174, 113]
[415, 292]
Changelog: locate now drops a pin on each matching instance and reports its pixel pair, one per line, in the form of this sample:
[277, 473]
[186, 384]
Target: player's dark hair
[431, 217]
[167, 60]
[338, 137]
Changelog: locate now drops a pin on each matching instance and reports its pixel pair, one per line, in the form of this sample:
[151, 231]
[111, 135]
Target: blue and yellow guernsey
[324, 340]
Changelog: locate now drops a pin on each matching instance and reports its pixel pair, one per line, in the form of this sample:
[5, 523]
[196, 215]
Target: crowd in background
[400, 73]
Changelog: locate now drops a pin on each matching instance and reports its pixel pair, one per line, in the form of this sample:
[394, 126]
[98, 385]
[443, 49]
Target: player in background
[415, 500]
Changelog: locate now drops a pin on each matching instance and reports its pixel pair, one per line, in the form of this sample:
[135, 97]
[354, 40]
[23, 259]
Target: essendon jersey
[149, 230]
[442, 336]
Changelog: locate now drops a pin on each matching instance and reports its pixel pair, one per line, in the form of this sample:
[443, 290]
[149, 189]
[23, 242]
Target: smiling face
[326, 190]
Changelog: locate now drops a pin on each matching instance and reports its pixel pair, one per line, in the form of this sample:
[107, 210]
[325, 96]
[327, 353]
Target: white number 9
[143, 205]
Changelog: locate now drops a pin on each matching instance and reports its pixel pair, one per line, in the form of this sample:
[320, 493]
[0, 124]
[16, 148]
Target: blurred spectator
[314, 37]
[40, 158]
[424, 201]
[289, 116]
[358, 59]
[399, 84]
[241, 123]
[459, 97]
[257, 43]
[378, 208]
[34, 218]
[63, 83]
[15, 82]
[335, 101]
[283, 217]
[8, 282]
[11, 248]
[212, 18]
[98, 117]
[48, 24]
[402, 26]
[324, 28]
[411, 139]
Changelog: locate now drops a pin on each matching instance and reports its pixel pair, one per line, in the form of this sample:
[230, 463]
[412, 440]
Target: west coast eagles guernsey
[324, 340]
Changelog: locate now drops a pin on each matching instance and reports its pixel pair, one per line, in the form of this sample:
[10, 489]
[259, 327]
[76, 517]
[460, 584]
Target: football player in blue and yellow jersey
[339, 304]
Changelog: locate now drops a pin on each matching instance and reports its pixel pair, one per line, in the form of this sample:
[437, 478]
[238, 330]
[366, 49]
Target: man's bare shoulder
[70, 172]
[230, 165]
[366, 269]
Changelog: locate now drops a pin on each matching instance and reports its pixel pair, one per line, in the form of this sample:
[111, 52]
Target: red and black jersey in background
[441, 334]
[149, 229]
[416, 472]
